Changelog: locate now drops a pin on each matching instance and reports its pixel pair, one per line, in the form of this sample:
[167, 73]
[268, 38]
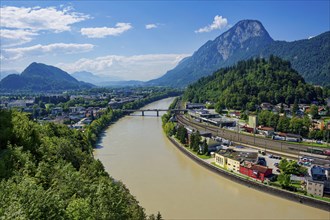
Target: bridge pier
[142, 113]
[157, 113]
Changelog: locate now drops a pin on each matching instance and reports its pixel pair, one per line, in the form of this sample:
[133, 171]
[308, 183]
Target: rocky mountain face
[246, 39]
[42, 77]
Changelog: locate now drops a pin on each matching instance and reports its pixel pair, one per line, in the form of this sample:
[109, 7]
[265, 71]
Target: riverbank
[253, 184]
[135, 151]
[97, 127]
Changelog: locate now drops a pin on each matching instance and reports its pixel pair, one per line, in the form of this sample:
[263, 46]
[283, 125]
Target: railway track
[280, 147]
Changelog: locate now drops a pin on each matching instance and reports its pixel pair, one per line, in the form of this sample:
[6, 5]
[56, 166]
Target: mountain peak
[42, 77]
[245, 34]
[250, 28]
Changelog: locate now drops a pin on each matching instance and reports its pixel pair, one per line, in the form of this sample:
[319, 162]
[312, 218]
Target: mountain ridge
[245, 40]
[93, 78]
[42, 77]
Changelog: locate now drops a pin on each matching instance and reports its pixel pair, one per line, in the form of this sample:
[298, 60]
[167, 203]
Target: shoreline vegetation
[96, 128]
[47, 171]
[201, 159]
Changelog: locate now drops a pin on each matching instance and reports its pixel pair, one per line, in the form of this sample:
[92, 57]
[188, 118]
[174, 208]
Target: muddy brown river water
[136, 151]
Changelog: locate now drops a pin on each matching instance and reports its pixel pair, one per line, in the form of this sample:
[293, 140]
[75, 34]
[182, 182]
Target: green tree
[79, 209]
[273, 120]
[296, 125]
[169, 128]
[314, 112]
[283, 124]
[219, 106]
[205, 147]
[165, 118]
[182, 134]
[159, 216]
[291, 167]
[284, 179]
[263, 118]
[295, 108]
[195, 139]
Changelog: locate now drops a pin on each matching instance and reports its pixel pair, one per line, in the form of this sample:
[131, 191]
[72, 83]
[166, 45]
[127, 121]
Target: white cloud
[16, 37]
[20, 25]
[218, 23]
[151, 26]
[39, 50]
[37, 18]
[138, 67]
[101, 32]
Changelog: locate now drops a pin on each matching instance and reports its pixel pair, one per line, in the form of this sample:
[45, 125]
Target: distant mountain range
[104, 81]
[248, 39]
[93, 78]
[41, 77]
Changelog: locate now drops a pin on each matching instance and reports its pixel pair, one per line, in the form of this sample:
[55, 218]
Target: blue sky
[138, 39]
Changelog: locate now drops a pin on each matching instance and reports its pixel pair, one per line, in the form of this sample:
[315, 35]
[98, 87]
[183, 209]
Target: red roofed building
[267, 131]
[255, 171]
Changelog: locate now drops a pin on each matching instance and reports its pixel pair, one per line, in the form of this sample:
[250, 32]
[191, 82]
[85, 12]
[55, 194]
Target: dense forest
[310, 57]
[252, 82]
[48, 172]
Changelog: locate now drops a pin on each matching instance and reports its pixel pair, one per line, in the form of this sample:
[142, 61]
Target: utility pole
[238, 129]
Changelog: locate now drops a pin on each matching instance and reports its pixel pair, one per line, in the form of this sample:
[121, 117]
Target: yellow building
[231, 159]
[220, 160]
[233, 164]
[253, 121]
[315, 187]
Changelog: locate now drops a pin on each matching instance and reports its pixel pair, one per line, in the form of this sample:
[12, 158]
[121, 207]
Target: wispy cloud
[39, 50]
[138, 67]
[151, 26]
[101, 32]
[218, 23]
[24, 23]
[37, 18]
[11, 38]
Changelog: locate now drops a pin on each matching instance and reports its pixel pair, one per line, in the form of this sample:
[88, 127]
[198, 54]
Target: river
[135, 151]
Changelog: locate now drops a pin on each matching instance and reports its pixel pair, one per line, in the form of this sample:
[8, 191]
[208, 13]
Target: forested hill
[310, 57]
[48, 172]
[252, 82]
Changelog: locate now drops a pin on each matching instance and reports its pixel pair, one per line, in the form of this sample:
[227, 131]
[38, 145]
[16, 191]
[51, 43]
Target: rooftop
[259, 168]
[239, 155]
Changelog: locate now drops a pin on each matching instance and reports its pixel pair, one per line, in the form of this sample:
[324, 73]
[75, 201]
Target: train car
[326, 152]
[315, 151]
[277, 137]
[292, 139]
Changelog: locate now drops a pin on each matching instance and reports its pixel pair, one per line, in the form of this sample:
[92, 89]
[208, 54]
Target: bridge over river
[155, 110]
